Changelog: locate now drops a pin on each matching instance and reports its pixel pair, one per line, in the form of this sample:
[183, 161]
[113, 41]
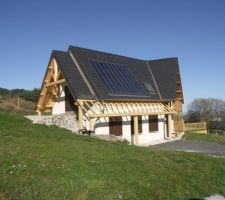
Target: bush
[216, 127]
[123, 141]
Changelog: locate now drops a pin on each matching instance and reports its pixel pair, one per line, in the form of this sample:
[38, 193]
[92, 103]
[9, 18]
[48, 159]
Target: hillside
[18, 100]
[40, 162]
[10, 104]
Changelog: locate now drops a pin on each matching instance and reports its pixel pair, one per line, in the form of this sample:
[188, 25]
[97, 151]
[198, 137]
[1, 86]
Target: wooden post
[80, 117]
[170, 124]
[91, 124]
[39, 113]
[136, 129]
[18, 103]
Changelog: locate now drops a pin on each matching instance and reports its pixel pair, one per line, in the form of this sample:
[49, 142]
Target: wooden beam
[55, 70]
[129, 114]
[108, 108]
[55, 83]
[111, 106]
[44, 90]
[80, 117]
[48, 106]
[124, 108]
[99, 106]
[52, 75]
[111, 109]
[85, 110]
[170, 124]
[136, 129]
[91, 124]
[90, 107]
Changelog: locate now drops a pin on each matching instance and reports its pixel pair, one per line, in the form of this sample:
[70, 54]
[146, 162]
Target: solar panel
[117, 78]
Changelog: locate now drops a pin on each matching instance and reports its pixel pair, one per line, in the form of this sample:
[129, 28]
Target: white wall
[101, 125]
[59, 105]
[102, 128]
[126, 128]
[146, 136]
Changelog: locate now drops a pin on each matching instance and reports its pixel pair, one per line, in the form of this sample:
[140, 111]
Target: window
[139, 124]
[153, 123]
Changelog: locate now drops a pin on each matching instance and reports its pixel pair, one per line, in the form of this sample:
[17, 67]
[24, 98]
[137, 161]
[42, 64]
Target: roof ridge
[163, 59]
[59, 51]
[103, 52]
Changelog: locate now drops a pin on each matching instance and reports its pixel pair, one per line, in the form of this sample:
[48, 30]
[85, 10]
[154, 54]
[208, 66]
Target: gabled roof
[84, 82]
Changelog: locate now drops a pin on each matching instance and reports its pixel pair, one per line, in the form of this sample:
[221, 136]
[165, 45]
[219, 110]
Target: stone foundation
[66, 120]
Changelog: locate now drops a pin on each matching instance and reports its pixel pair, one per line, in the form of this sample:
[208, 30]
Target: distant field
[10, 104]
[40, 162]
[205, 137]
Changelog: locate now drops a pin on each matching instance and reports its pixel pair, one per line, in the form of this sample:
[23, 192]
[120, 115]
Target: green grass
[40, 162]
[205, 137]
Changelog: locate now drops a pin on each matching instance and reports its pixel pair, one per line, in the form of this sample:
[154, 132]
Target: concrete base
[155, 142]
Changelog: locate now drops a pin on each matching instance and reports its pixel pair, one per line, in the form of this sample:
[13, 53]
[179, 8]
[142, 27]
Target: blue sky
[192, 30]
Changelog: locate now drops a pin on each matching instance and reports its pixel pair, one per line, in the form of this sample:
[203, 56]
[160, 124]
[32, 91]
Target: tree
[29, 95]
[4, 91]
[209, 109]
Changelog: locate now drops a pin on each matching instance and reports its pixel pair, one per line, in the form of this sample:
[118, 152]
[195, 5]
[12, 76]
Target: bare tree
[209, 109]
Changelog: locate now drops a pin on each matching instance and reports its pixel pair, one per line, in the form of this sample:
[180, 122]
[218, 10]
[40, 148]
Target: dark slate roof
[164, 71]
[73, 78]
[160, 74]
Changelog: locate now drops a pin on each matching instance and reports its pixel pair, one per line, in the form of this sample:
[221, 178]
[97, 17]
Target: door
[115, 126]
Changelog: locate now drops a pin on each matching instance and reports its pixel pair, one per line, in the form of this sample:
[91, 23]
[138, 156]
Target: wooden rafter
[95, 109]
[55, 83]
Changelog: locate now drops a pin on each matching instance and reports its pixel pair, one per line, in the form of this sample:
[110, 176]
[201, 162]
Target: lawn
[40, 162]
[205, 137]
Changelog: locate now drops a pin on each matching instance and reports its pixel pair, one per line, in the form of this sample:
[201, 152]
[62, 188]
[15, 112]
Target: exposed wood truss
[95, 109]
[51, 87]
[55, 83]
[178, 118]
[179, 87]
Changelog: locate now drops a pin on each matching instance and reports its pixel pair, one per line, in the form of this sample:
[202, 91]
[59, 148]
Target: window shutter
[153, 123]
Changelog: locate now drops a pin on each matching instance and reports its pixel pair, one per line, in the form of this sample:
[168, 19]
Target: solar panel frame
[117, 78]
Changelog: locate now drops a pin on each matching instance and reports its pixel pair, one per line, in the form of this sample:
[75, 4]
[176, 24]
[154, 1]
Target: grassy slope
[205, 137]
[39, 162]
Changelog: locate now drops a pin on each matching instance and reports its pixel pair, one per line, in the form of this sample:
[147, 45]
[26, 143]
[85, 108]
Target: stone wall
[66, 120]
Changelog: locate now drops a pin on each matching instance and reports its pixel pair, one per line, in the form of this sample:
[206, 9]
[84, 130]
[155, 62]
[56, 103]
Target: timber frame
[178, 118]
[52, 86]
[93, 109]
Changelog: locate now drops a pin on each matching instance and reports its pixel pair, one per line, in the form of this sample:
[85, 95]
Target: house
[137, 100]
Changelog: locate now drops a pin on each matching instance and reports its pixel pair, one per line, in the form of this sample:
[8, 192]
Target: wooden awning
[95, 109]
